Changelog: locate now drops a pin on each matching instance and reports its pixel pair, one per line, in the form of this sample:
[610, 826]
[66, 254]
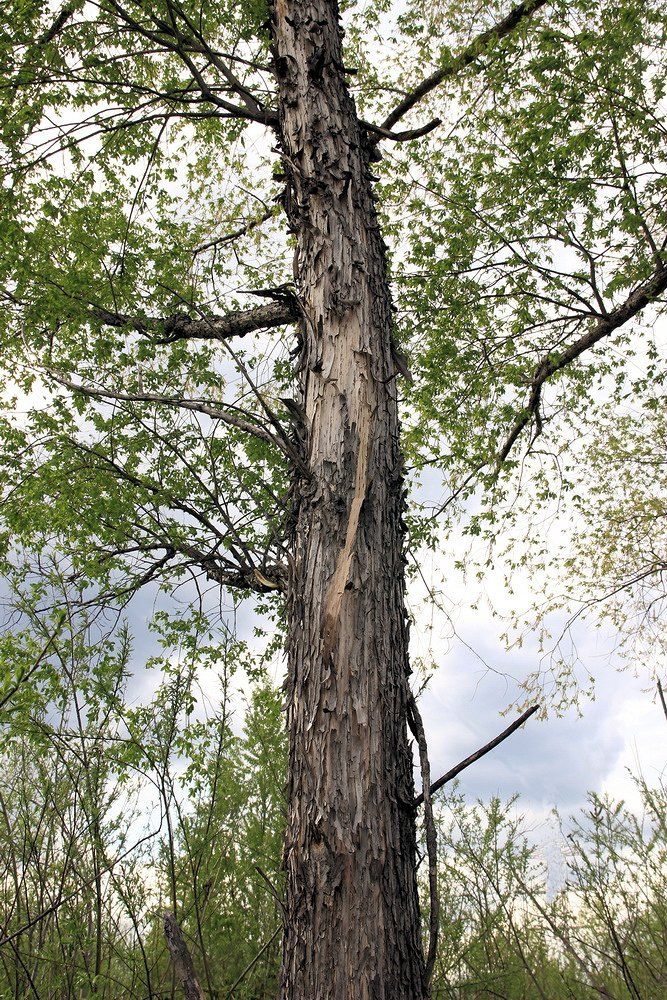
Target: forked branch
[554, 362]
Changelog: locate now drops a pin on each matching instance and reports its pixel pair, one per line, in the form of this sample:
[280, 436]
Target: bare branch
[413, 133]
[465, 58]
[455, 771]
[662, 698]
[236, 234]
[181, 404]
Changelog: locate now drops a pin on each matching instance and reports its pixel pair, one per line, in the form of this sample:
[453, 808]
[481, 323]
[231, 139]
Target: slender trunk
[352, 925]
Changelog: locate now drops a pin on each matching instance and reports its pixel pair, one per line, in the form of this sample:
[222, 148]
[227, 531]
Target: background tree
[519, 933]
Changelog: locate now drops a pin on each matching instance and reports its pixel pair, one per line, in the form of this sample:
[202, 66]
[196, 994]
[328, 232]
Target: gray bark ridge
[352, 920]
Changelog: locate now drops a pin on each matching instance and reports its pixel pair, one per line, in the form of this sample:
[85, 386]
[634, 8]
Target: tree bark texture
[180, 956]
[352, 922]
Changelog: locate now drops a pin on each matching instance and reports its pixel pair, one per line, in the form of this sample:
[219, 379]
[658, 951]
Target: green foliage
[515, 932]
[109, 814]
[139, 184]
[538, 208]
[229, 855]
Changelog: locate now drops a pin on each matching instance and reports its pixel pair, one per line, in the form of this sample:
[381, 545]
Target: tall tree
[152, 153]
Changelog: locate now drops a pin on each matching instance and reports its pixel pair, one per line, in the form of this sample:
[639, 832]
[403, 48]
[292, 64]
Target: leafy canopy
[142, 214]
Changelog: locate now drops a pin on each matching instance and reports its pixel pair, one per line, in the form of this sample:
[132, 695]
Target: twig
[72, 895]
[450, 775]
[662, 698]
[256, 959]
[27, 674]
[272, 889]
[230, 237]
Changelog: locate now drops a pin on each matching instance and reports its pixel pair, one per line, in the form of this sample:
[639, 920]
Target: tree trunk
[352, 923]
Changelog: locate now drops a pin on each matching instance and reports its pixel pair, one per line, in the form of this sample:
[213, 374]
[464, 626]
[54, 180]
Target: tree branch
[172, 40]
[57, 25]
[62, 899]
[253, 962]
[167, 329]
[246, 96]
[181, 404]
[27, 674]
[465, 58]
[236, 234]
[242, 574]
[414, 133]
[450, 775]
[662, 698]
[552, 363]
[244, 577]
[417, 726]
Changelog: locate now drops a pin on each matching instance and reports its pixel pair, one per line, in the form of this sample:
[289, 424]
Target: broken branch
[180, 956]
[238, 323]
[455, 771]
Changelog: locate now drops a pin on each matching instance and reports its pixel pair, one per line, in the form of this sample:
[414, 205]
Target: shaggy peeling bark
[352, 923]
